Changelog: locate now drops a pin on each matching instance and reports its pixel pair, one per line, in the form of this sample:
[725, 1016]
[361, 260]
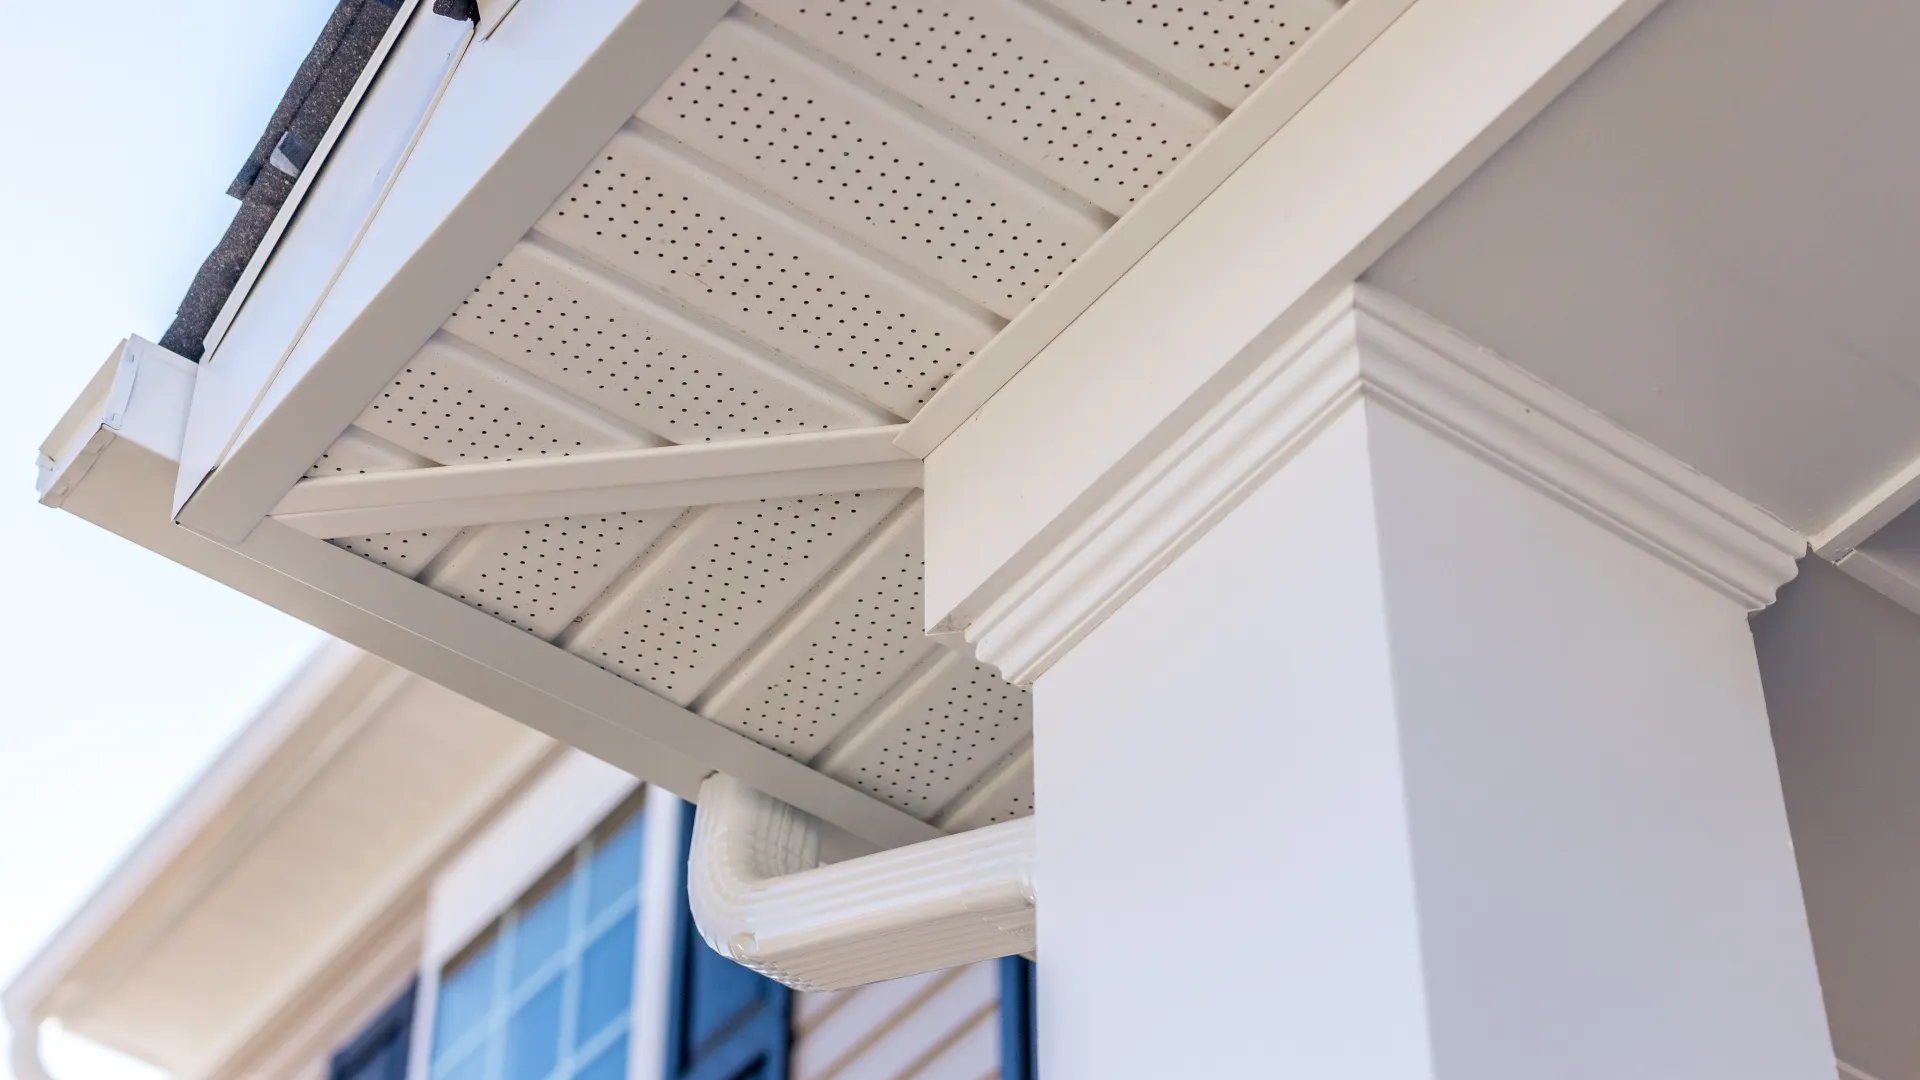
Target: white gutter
[759, 895]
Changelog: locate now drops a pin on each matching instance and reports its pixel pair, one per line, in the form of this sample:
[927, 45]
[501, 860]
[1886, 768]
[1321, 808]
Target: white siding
[940, 1026]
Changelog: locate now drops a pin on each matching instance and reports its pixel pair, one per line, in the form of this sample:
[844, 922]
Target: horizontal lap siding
[943, 1025]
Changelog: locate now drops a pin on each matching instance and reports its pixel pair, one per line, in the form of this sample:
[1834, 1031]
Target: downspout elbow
[760, 897]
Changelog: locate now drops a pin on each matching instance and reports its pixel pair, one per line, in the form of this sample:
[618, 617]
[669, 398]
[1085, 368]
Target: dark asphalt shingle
[312, 100]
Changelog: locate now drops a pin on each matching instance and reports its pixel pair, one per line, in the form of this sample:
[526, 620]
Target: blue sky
[121, 124]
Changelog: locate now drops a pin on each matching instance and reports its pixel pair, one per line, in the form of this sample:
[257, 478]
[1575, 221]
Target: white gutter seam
[759, 895]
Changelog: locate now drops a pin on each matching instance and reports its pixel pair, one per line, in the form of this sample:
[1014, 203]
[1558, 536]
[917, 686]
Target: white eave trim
[651, 478]
[759, 895]
[1368, 345]
[520, 115]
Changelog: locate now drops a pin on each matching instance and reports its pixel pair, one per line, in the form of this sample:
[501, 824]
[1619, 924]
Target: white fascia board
[652, 478]
[295, 206]
[523, 113]
[338, 199]
[1421, 107]
[123, 484]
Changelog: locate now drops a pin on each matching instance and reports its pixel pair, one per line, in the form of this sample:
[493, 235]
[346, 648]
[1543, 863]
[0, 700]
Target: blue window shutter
[1019, 1024]
[727, 1022]
[379, 1052]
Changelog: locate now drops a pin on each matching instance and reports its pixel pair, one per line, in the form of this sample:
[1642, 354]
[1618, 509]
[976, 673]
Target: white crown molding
[1369, 346]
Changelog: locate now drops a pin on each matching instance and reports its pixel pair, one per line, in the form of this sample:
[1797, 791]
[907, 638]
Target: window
[379, 1052]
[545, 993]
[1019, 1025]
[728, 1022]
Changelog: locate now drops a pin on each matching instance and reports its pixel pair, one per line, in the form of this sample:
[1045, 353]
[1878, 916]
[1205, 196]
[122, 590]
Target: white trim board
[1894, 496]
[1368, 345]
[1385, 140]
[652, 478]
[548, 819]
[523, 114]
[309, 173]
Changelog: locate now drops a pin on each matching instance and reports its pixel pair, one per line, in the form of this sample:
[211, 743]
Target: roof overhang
[718, 569]
[271, 863]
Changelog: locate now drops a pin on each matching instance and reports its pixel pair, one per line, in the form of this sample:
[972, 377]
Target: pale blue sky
[121, 124]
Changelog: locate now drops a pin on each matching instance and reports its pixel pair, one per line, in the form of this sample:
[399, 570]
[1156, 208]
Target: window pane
[471, 1067]
[542, 932]
[720, 993]
[615, 869]
[465, 994]
[606, 980]
[610, 1065]
[533, 1035]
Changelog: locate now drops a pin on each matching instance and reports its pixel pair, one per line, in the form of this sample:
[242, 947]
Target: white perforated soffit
[822, 215]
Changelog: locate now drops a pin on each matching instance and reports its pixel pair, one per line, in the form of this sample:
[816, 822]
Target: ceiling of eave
[1710, 239]
[821, 216]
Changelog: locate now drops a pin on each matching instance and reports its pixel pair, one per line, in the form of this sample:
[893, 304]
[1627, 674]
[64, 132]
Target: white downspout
[759, 895]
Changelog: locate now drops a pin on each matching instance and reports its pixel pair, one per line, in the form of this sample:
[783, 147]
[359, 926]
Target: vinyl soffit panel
[824, 213]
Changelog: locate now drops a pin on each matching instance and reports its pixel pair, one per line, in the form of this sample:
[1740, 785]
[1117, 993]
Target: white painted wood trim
[537, 489]
[548, 819]
[1883, 577]
[653, 972]
[332, 223]
[1421, 107]
[1894, 496]
[523, 113]
[493, 13]
[1367, 344]
[1225, 149]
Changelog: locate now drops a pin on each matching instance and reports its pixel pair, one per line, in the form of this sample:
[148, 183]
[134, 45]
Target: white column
[1401, 719]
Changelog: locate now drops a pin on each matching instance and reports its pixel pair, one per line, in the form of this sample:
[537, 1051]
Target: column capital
[1363, 347]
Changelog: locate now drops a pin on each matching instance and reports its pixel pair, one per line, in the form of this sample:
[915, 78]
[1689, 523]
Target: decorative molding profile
[1368, 346]
[533, 489]
[760, 896]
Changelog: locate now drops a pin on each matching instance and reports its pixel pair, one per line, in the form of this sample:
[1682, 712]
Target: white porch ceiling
[1709, 238]
[819, 218]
